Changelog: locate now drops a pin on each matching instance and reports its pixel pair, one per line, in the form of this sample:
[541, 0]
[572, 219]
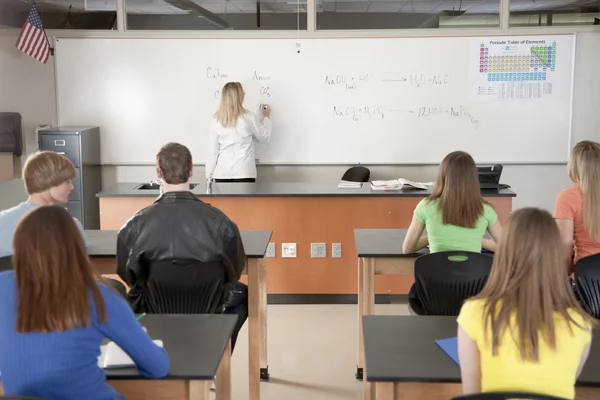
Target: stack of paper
[399, 184]
[112, 356]
[349, 185]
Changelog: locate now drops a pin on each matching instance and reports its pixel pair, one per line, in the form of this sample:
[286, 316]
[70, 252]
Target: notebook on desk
[112, 356]
[450, 347]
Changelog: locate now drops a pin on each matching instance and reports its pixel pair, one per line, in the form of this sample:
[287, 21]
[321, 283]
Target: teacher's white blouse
[231, 150]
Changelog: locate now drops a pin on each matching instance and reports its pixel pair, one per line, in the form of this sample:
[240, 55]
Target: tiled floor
[311, 353]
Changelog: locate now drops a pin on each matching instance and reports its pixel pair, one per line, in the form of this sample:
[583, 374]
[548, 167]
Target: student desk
[301, 213]
[403, 361]
[379, 253]
[102, 252]
[199, 348]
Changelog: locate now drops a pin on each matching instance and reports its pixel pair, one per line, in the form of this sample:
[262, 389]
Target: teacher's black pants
[243, 180]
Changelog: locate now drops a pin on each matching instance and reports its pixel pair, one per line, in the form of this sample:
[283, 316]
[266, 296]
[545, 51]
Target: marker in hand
[266, 111]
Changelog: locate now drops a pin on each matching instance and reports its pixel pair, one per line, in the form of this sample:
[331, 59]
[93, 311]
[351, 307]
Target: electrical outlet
[336, 250]
[271, 250]
[318, 250]
[288, 250]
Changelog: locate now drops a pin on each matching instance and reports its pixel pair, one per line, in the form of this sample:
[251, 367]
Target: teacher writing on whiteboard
[232, 134]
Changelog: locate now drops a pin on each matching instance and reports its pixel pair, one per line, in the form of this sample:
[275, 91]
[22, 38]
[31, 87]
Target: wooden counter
[301, 213]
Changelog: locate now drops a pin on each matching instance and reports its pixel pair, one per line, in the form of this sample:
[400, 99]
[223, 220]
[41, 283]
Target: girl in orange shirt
[577, 209]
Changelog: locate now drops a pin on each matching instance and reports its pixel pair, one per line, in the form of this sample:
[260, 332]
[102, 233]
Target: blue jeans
[237, 303]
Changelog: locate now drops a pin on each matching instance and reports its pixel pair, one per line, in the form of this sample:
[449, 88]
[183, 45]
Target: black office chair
[357, 174]
[6, 263]
[184, 287]
[116, 285]
[587, 284]
[506, 396]
[446, 279]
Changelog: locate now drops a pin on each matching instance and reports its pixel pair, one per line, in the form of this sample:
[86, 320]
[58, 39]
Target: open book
[112, 356]
[399, 184]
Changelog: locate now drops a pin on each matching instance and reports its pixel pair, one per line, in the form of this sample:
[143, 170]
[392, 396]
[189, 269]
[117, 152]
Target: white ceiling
[281, 6]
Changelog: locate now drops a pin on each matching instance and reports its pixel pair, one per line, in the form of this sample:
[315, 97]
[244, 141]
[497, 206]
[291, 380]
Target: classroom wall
[536, 185]
[26, 87]
[30, 87]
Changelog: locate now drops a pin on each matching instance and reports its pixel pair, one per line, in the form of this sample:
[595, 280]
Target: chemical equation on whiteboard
[262, 85]
[359, 113]
[265, 89]
[216, 73]
[420, 80]
[461, 111]
[265, 92]
[347, 82]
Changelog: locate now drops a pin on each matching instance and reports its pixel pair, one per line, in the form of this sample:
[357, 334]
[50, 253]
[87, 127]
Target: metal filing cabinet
[81, 145]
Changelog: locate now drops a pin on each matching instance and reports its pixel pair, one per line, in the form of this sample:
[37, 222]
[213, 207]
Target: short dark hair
[174, 162]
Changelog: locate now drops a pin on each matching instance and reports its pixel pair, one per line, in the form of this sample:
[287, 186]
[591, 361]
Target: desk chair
[116, 286]
[357, 174]
[506, 396]
[446, 279]
[587, 284]
[184, 287]
[6, 263]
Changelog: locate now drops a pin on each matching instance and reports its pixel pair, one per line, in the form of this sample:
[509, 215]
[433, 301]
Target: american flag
[32, 39]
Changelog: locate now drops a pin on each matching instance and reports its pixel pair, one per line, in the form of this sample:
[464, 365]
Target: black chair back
[506, 396]
[446, 279]
[116, 285]
[184, 287]
[587, 283]
[6, 263]
[357, 174]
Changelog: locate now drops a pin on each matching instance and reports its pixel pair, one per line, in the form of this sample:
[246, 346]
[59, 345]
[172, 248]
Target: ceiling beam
[195, 9]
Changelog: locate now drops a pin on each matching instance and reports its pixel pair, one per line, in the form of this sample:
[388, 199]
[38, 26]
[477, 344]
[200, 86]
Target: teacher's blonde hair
[232, 98]
[584, 168]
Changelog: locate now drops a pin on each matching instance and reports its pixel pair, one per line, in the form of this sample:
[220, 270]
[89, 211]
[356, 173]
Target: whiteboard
[367, 100]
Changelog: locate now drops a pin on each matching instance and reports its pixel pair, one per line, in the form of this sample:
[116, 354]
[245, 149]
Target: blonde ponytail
[584, 168]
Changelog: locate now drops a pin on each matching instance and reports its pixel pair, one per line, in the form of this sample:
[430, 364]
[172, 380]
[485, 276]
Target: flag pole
[48, 41]
[46, 36]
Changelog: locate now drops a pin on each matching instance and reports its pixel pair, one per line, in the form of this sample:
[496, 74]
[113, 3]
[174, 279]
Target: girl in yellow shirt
[525, 332]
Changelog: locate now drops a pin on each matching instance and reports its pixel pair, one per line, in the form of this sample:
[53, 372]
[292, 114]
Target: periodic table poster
[516, 68]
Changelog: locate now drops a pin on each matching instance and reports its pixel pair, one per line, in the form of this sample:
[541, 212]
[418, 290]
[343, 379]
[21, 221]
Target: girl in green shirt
[455, 215]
